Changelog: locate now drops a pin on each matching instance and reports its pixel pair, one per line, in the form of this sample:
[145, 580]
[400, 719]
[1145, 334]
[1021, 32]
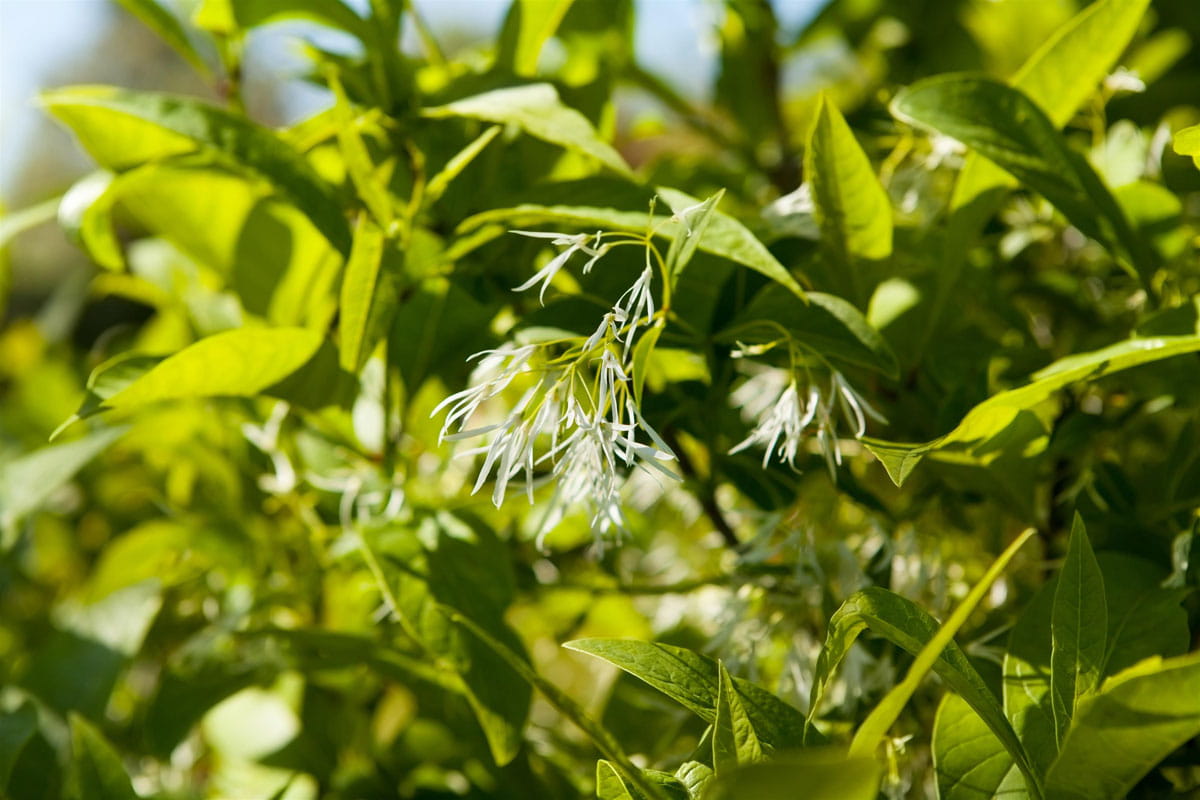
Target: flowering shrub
[474, 438]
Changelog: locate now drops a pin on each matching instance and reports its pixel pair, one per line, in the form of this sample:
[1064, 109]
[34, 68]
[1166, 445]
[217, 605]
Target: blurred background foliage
[193, 593]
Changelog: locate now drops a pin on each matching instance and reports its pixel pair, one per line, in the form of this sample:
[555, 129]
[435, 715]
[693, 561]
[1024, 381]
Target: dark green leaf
[992, 416]
[96, 772]
[693, 680]
[1005, 126]
[831, 326]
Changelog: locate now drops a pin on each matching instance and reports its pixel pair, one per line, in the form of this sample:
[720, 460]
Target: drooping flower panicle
[580, 399]
[784, 421]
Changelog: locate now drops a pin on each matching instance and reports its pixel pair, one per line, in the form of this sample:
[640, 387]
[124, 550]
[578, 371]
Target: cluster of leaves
[249, 565]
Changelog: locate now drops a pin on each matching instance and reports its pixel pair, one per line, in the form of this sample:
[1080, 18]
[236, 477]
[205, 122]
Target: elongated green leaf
[850, 205]
[1118, 735]
[238, 363]
[96, 771]
[27, 481]
[1058, 77]
[695, 220]
[692, 680]
[1008, 128]
[461, 160]
[734, 741]
[537, 110]
[17, 727]
[828, 324]
[1078, 626]
[1064, 71]
[1187, 143]
[1144, 620]
[724, 236]
[993, 415]
[526, 28]
[228, 17]
[909, 627]
[641, 359]
[371, 189]
[451, 568]
[168, 28]
[360, 300]
[819, 774]
[881, 718]
[122, 129]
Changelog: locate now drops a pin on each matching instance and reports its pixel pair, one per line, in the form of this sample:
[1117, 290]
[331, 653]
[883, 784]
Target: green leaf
[450, 566]
[96, 772]
[168, 28]
[362, 322]
[820, 774]
[17, 727]
[458, 162]
[734, 741]
[28, 480]
[526, 28]
[692, 680]
[881, 718]
[372, 190]
[1064, 71]
[911, 628]
[1058, 77]
[244, 362]
[695, 220]
[1187, 143]
[1078, 626]
[85, 213]
[641, 359]
[969, 761]
[122, 129]
[992, 416]
[1005, 126]
[724, 237]
[850, 205]
[537, 110]
[228, 17]
[1119, 734]
[435, 328]
[828, 324]
[609, 785]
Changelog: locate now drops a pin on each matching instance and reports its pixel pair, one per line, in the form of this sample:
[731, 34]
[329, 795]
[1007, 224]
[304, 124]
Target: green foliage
[370, 427]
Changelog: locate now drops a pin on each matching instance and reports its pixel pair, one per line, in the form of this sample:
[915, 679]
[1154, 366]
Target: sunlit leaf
[122, 129]
[1078, 625]
[850, 205]
[537, 110]
[993, 415]
[1138, 718]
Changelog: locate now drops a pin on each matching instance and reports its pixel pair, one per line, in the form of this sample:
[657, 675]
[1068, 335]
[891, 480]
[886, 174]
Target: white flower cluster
[580, 401]
[772, 398]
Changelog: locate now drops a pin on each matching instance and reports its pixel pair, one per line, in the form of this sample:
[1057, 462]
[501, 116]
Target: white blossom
[577, 243]
[787, 414]
[636, 305]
